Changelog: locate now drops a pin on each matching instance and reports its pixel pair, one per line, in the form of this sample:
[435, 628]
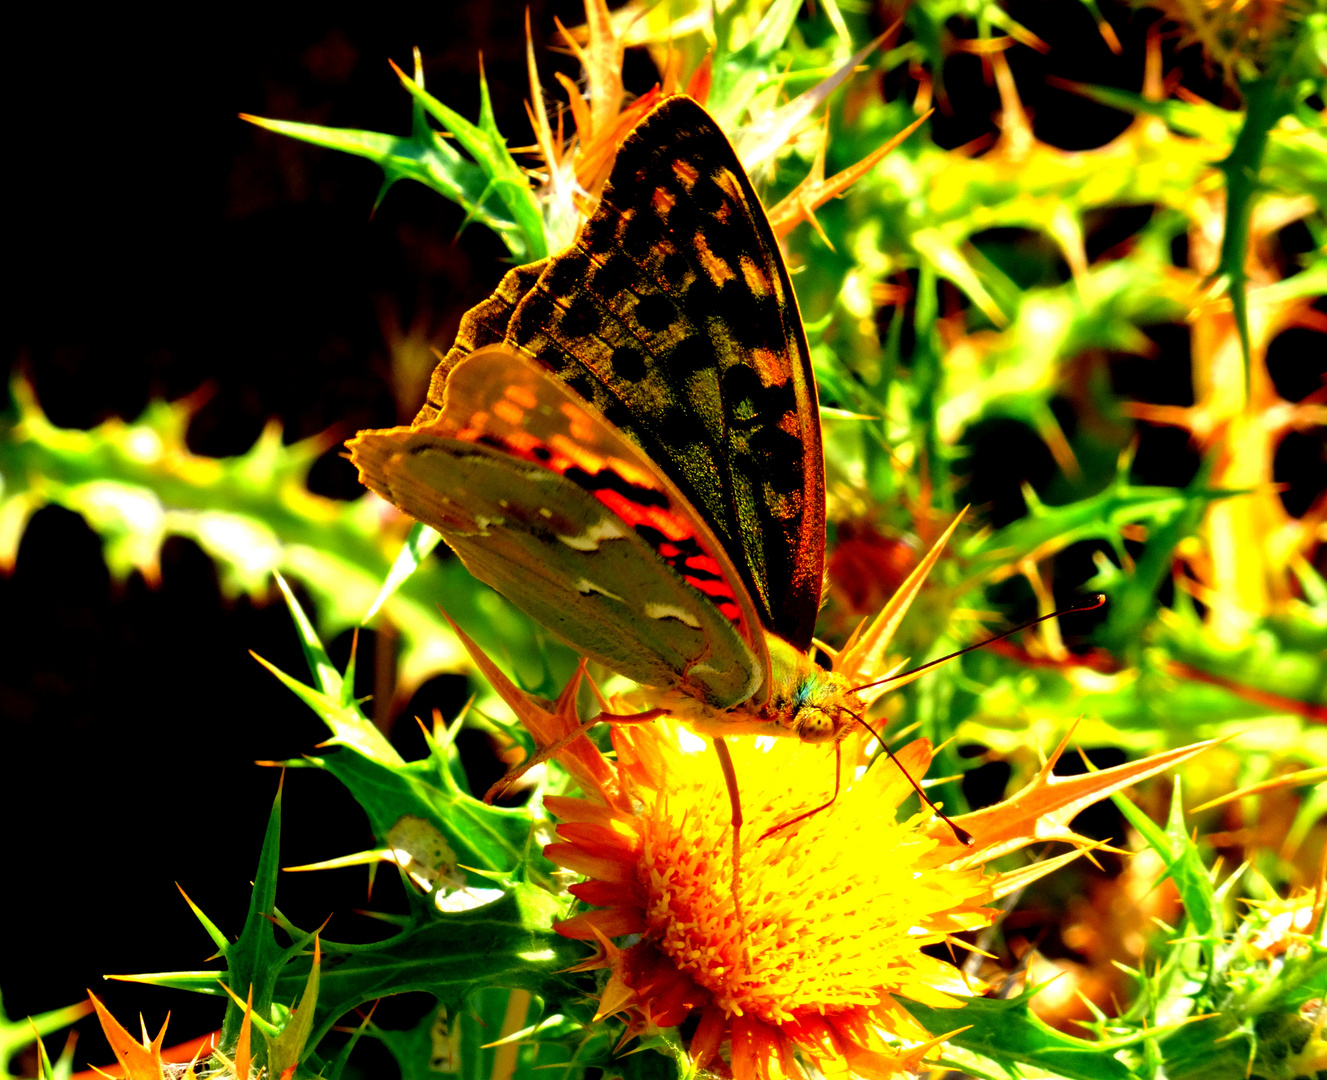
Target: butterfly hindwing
[673, 315]
[547, 503]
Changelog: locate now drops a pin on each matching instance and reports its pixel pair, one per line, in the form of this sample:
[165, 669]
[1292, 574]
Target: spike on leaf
[814, 191]
[1042, 810]
[147, 1060]
[862, 654]
[581, 758]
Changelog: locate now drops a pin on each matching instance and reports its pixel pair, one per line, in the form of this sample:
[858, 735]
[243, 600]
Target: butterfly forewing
[674, 316]
[560, 513]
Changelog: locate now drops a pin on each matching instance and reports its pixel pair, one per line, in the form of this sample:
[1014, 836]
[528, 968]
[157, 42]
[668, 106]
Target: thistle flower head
[832, 915]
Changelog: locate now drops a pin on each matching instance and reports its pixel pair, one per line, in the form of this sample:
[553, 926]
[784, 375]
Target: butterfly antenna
[1089, 605]
[960, 834]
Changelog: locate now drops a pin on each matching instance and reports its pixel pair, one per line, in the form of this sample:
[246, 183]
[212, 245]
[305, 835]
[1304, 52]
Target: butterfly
[625, 442]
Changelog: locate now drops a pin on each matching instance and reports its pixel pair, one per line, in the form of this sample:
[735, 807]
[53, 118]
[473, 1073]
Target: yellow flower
[833, 911]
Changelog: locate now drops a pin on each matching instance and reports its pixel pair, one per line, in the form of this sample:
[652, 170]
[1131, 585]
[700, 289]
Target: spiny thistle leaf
[17, 1034]
[1005, 1034]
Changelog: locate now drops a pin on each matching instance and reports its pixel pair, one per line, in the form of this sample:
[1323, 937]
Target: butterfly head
[824, 708]
[805, 700]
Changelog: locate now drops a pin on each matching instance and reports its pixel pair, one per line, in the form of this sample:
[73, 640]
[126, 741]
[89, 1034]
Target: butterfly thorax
[805, 701]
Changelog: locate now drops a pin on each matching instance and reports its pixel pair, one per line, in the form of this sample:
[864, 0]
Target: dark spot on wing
[536, 313]
[563, 276]
[689, 356]
[617, 414]
[779, 458]
[741, 392]
[600, 233]
[641, 233]
[628, 363]
[616, 274]
[684, 218]
[580, 383]
[581, 318]
[707, 194]
[674, 268]
[655, 313]
[701, 301]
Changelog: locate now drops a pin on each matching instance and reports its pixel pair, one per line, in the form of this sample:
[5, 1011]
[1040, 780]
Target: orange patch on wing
[662, 200]
[633, 513]
[568, 454]
[686, 173]
[509, 411]
[718, 270]
[769, 366]
[523, 396]
[582, 430]
[522, 444]
[756, 278]
[475, 429]
[662, 249]
[728, 185]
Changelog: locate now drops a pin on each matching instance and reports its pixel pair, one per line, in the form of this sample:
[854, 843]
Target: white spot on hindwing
[585, 587]
[589, 540]
[672, 611]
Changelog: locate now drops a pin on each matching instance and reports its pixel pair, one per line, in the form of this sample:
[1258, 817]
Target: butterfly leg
[735, 798]
[838, 779]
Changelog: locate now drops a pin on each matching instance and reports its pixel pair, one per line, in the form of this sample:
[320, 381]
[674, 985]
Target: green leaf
[16, 1034]
[485, 144]
[469, 1043]
[418, 545]
[1269, 99]
[1134, 602]
[506, 944]
[349, 726]
[1184, 865]
[481, 836]
[320, 667]
[1048, 529]
[254, 959]
[288, 1048]
[424, 157]
[739, 74]
[1007, 1034]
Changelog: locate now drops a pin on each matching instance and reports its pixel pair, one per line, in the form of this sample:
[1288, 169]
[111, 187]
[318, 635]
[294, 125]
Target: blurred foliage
[959, 302]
